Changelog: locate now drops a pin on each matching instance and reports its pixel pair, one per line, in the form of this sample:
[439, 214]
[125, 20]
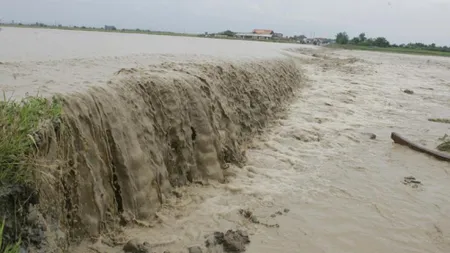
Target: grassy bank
[8, 248]
[400, 50]
[19, 121]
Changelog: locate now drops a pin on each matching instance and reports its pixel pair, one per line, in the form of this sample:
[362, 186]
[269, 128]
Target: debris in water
[286, 210]
[195, 249]
[177, 194]
[126, 71]
[246, 213]
[397, 138]
[372, 136]
[231, 241]
[135, 246]
[440, 120]
[407, 91]
[234, 241]
[328, 104]
[249, 215]
[411, 181]
[444, 138]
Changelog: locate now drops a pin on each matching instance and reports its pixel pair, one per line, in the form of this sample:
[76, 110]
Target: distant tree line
[343, 39]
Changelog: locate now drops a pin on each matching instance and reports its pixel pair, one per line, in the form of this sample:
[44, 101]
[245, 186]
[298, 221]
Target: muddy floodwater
[324, 176]
[45, 61]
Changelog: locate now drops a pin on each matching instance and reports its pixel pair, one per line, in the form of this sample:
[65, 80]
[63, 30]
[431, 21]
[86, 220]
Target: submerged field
[398, 50]
[168, 140]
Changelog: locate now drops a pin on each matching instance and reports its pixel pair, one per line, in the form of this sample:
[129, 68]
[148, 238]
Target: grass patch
[11, 248]
[19, 120]
[400, 50]
[446, 121]
[445, 146]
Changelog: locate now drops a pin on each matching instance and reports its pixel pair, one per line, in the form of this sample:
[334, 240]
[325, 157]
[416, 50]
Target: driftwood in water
[403, 141]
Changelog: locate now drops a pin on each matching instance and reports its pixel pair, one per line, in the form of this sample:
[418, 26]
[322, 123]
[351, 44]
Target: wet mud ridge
[125, 147]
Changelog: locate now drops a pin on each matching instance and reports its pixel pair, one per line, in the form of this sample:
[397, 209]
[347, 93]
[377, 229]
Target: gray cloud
[398, 20]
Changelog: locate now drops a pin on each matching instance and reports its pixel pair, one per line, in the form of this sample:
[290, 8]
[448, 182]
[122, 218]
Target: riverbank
[23, 123]
[398, 50]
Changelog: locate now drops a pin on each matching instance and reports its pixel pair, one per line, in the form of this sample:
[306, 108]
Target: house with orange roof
[259, 34]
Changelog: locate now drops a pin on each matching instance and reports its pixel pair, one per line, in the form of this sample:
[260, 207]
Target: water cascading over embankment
[122, 147]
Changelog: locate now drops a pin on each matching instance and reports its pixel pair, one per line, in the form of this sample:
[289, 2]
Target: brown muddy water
[313, 178]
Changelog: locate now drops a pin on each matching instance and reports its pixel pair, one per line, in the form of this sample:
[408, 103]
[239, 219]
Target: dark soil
[231, 241]
[22, 221]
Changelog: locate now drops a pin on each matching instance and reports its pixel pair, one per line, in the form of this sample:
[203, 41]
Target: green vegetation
[361, 42]
[342, 38]
[446, 121]
[445, 146]
[12, 248]
[18, 122]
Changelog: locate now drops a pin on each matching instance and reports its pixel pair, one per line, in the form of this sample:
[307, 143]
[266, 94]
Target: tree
[342, 38]
[355, 40]
[381, 42]
[229, 33]
[362, 37]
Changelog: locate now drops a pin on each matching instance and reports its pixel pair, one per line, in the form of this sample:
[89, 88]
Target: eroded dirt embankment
[122, 148]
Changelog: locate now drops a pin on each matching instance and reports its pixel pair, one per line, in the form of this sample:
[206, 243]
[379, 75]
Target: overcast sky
[398, 20]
